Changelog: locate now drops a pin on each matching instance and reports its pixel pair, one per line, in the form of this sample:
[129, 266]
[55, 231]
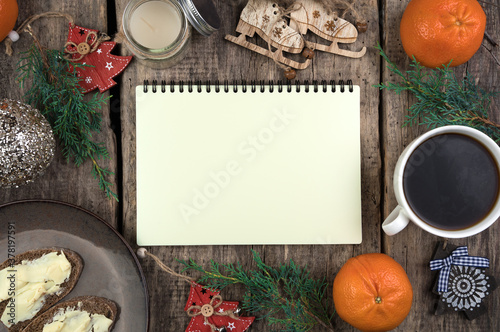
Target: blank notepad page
[248, 168]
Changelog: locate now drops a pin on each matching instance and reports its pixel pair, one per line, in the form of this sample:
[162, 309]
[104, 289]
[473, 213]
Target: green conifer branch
[442, 99]
[56, 92]
[287, 297]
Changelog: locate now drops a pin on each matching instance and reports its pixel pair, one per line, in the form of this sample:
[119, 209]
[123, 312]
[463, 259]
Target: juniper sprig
[56, 92]
[442, 99]
[287, 296]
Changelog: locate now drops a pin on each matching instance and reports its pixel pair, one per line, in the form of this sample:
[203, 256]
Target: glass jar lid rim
[202, 15]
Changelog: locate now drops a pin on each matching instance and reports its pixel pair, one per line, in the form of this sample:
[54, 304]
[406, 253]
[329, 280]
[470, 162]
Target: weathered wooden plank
[413, 247]
[214, 58]
[62, 181]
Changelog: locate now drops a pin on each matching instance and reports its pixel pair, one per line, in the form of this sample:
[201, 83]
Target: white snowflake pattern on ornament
[469, 286]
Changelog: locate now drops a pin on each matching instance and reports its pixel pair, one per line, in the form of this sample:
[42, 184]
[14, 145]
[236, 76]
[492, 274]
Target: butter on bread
[90, 306]
[46, 301]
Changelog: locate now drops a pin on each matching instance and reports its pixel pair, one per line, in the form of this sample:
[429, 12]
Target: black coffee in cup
[451, 181]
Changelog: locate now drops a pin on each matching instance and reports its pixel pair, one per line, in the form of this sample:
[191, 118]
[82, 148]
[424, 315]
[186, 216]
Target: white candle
[155, 24]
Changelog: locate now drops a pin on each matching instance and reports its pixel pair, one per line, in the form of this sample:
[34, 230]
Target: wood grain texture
[413, 247]
[213, 58]
[62, 181]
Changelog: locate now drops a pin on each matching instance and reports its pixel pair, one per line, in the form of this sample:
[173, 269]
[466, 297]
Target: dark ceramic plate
[111, 267]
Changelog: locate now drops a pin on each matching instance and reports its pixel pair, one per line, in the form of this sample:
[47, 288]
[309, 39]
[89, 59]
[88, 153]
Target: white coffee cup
[402, 214]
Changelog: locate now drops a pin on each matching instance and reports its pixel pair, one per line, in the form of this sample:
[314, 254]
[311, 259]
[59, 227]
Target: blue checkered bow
[459, 256]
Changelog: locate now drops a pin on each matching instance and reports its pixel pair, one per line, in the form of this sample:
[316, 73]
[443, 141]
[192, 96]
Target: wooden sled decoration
[264, 18]
[313, 16]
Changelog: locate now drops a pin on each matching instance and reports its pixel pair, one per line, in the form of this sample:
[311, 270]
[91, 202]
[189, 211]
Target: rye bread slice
[76, 269]
[90, 304]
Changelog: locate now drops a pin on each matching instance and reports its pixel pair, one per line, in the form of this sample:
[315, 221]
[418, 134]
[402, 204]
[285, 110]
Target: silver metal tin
[202, 15]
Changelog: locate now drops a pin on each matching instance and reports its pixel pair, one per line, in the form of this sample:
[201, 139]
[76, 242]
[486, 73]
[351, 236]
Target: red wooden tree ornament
[87, 47]
[208, 310]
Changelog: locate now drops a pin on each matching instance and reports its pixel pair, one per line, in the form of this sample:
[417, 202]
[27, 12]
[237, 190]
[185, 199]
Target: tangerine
[372, 292]
[438, 31]
[8, 17]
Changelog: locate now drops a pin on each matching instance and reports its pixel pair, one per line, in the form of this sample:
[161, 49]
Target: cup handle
[395, 222]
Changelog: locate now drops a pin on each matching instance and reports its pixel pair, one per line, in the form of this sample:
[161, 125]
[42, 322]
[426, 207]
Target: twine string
[45, 61]
[192, 311]
[167, 269]
[348, 6]
[25, 27]
[92, 40]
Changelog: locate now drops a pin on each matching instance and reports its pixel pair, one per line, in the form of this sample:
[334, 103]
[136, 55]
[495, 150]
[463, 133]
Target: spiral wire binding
[254, 86]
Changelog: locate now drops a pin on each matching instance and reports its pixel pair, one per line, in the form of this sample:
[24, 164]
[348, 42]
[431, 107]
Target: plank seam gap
[115, 118]
[381, 5]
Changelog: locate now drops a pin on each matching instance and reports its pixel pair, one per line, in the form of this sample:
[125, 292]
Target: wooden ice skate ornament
[313, 16]
[267, 19]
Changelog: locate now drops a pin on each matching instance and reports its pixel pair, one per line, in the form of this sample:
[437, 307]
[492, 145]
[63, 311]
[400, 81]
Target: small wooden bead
[308, 53]
[290, 73]
[362, 26]
[141, 252]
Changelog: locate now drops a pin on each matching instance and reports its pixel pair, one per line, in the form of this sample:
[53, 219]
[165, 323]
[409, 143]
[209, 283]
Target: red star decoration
[199, 296]
[105, 65]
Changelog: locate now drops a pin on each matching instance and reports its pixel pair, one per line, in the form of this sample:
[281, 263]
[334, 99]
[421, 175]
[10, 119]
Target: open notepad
[231, 167]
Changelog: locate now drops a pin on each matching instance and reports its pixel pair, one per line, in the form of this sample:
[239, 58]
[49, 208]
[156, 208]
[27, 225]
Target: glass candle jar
[157, 31]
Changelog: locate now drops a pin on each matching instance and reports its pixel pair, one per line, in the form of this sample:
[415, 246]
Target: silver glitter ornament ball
[27, 143]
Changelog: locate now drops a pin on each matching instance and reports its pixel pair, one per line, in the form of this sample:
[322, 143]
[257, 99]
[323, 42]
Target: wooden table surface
[382, 140]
